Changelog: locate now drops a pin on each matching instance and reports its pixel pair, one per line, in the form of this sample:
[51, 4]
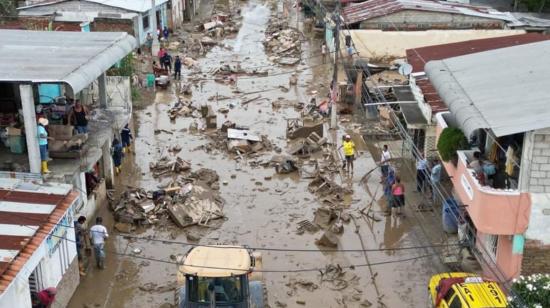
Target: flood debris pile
[187, 201]
[183, 108]
[238, 140]
[333, 277]
[228, 72]
[166, 166]
[218, 26]
[282, 42]
[241, 140]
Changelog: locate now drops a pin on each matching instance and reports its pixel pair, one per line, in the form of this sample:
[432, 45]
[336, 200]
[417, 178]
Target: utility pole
[298, 15]
[153, 25]
[335, 73]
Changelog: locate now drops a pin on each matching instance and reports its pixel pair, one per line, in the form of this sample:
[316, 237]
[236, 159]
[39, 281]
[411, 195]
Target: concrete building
[498, 98]
[37, 246]
[429, 102]
[47, 89]
[132, 16]
[176, 13]
[378, 44]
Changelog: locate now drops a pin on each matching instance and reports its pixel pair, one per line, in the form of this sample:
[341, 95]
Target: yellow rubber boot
[45, 167]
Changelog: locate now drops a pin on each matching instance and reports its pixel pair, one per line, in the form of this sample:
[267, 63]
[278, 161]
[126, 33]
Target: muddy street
[262, 208]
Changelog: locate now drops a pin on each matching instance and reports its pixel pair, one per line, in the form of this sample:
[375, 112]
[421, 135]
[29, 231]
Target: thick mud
[259, 215]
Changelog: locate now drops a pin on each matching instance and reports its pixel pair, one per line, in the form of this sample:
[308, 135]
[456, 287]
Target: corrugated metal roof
[76, 58]
[376, 8]
[505, 90]
[130, 5]
[22, 232]
[418, 57]
[430, 96]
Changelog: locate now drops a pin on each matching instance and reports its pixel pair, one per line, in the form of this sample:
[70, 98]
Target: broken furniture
[300, 128]
[65, 143]
[210, 116]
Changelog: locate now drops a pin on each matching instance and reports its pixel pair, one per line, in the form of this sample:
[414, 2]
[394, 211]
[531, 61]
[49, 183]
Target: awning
[505, 90]
[411, 112]
[75, 58]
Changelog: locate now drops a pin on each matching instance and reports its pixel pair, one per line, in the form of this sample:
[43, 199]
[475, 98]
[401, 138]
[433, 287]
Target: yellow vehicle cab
[459, 290]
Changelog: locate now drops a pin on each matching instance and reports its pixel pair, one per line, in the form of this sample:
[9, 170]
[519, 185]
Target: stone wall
[539, 179]
[418, 20]
[536, 258]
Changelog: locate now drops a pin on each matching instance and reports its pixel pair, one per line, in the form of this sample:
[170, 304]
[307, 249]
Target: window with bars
[491, 244]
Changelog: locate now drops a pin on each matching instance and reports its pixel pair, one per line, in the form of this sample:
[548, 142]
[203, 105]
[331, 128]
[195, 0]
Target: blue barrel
[450, 214]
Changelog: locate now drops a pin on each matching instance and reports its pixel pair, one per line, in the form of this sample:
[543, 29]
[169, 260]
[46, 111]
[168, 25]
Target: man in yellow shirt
[349, 152]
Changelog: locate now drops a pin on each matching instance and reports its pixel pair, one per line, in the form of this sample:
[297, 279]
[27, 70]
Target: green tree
[8, 7]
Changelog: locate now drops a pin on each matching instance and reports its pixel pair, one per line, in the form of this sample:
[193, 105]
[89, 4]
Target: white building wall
[18, 292]
[535, 166]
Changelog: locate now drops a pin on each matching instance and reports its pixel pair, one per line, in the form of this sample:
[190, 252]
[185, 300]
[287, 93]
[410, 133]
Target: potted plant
[451, 140]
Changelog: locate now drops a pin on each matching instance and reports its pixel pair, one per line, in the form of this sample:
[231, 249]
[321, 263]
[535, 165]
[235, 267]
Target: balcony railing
[493, 211]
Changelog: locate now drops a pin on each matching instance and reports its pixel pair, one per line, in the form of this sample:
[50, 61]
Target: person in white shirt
[385, 162]
[324, 52]
[421, 170]
[98, 234]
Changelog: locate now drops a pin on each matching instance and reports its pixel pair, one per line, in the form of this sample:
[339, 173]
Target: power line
[126, 236]
[353, 266]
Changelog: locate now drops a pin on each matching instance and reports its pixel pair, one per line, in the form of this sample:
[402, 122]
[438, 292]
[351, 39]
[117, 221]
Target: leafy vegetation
[124, 68]
[532, 291]
[8, 8]
[451, 140]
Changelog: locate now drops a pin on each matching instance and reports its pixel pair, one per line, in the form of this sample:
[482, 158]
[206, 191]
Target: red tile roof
[28, 245]
[418, 57]
[430, 96]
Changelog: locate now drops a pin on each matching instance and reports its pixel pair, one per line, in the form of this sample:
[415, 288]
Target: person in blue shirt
[177, 68]
[43, 143]
[421, 170]
[117, 154]
[389, 180]
[435, 178]
[126, 138]
[165, 33]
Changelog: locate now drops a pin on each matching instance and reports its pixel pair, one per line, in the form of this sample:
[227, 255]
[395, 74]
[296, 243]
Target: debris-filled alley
[241, 157]
[274, 153]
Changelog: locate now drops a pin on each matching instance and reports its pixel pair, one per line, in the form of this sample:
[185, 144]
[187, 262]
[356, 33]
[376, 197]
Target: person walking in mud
[98, 234]
[118, 154]
[385, 158]
[126, 138]
[167, 62]
[388, 182]
[421, 173]
[177, 68]
[324, 52]
[349, 152]
[398, 195]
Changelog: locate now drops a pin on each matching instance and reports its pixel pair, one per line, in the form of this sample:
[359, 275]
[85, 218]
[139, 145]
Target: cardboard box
[12, 131]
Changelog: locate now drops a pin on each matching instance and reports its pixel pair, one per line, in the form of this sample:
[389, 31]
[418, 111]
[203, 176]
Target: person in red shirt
[46, 298]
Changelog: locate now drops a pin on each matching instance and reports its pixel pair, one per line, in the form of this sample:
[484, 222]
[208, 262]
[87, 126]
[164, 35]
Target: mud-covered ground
[260, 212]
